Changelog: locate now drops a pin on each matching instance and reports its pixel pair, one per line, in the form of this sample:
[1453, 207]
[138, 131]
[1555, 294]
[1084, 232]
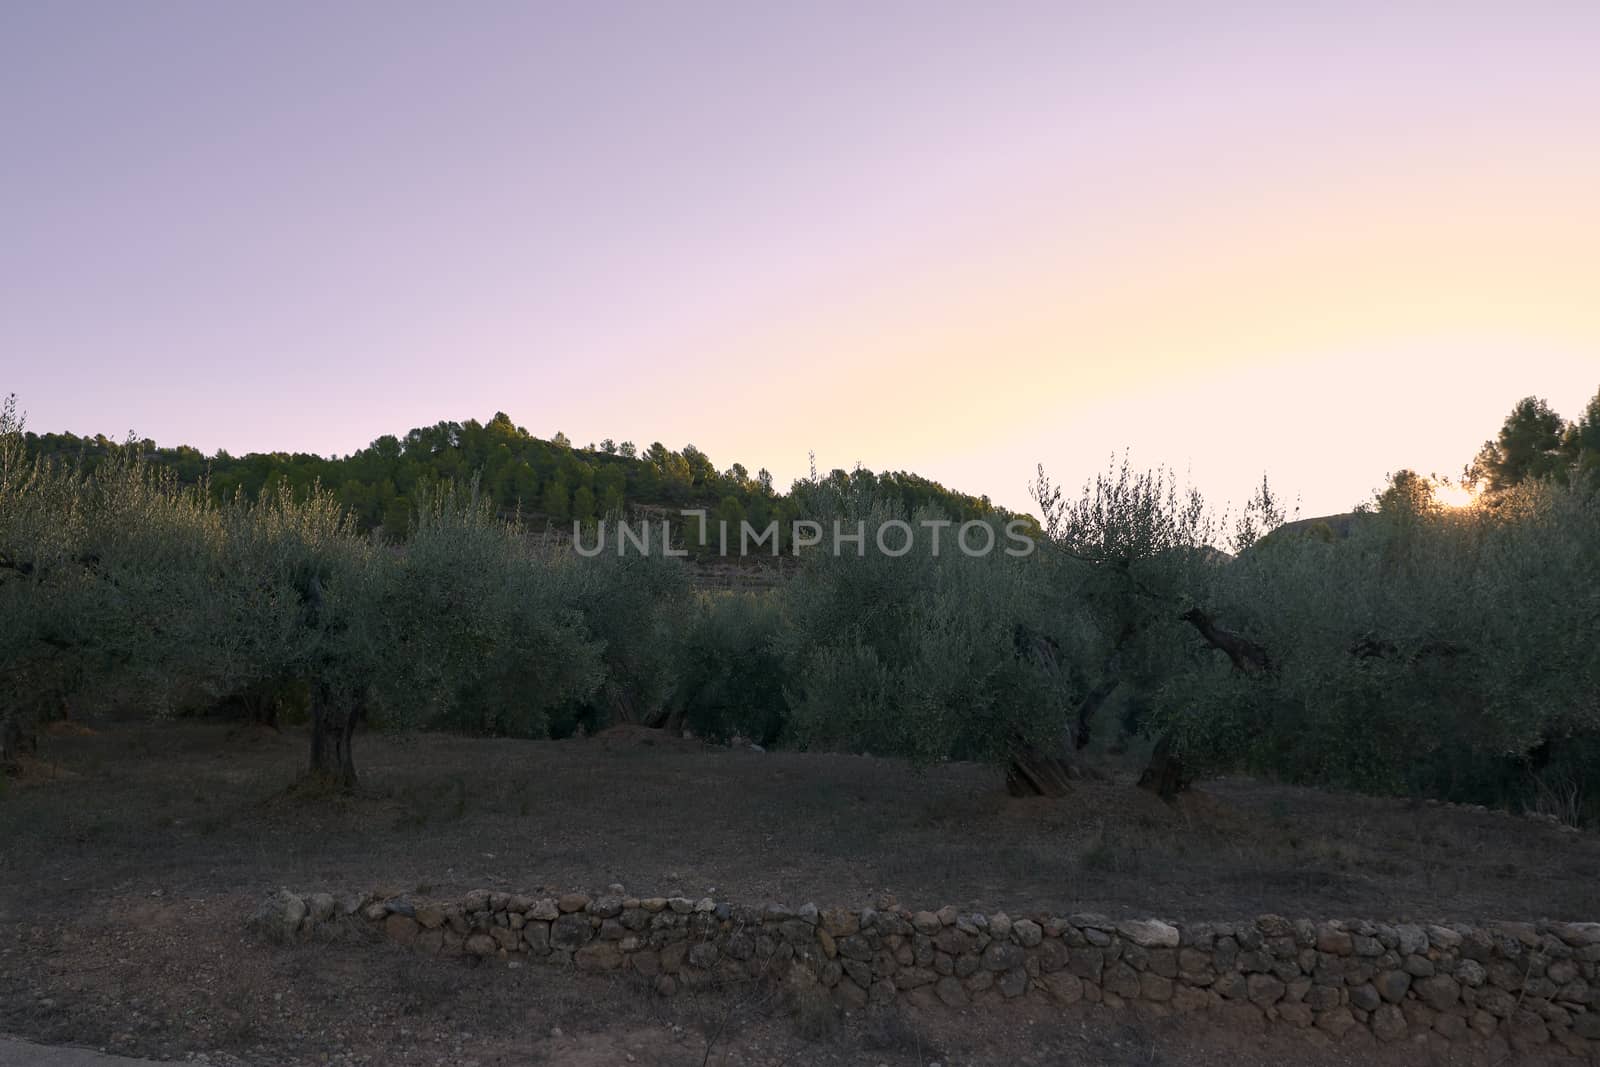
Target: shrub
[730, 673]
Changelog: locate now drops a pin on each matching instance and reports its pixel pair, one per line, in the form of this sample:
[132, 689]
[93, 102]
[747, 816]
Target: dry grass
[126, 877]
[183, 807]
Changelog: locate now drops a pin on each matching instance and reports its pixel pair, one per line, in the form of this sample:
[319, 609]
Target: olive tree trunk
[14, 740]
[333, 727]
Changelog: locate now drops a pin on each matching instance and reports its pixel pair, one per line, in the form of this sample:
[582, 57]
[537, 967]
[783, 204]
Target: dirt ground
[129, 859]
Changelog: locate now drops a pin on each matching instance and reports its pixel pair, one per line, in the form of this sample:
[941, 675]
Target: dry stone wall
[1522, 985]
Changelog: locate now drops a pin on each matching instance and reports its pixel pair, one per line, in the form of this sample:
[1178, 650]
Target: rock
[1335, 942]
[926, 922]
[1121, 980]
[1027, 933]
[1453, 1027]
[1578, 935]
[1322, 997]
[950, 992]
[1335, 1021]
[1297, 1015]
[1439, 992]
[1065, 988]
[1053, 956]
[1149, 933]
[506, 937]
[430, 916]
[672, 957]
[1186, 999]
[855, 947]
[704, 955]
[1000, 926]
[914, 977]
[606, 907]
[1086, 963]
[281, 913]
[1366, 946]
[1411, 939]
[1014, 983]
[401, 929]
[1470, 973]
[481, 945]
[544, 910]
[571, 902]
[1274, 926]
[570, 932]
[1392, 985]
[1153, 987]
[1419, 966]
[1496, 1002]
[321, 906]
[840, 922]
[1365, 997]
[1443, 938]
[1528, 1030]
[1264, 989]
[1562, 971]
[1231, 986]
[1388, 1024]
[1002, 956]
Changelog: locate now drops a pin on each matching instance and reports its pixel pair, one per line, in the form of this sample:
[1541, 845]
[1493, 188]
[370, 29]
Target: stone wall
[1517, 984]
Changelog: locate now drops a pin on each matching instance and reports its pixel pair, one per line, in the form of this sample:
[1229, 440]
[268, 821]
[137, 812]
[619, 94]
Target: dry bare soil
[131, 857]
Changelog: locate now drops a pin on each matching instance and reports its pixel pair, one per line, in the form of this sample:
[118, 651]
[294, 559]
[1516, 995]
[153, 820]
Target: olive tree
[483, 628]
[1132, 558]
[1447, 651]
[103, 579]
[915, 654]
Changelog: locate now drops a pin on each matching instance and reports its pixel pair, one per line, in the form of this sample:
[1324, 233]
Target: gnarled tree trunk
[14, 740]
[1034, 772]
[333, 727]
[1165, 775]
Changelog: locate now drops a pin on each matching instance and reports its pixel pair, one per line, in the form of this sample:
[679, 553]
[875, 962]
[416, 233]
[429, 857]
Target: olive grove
[1418, 648]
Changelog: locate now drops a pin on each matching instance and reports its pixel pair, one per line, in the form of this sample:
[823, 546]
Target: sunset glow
[1233, 238]
[1453, 496]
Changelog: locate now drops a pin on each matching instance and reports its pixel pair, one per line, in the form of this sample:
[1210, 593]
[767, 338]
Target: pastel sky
[1317, 241]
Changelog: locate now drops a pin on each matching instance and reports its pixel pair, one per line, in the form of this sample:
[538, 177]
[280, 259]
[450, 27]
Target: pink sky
[955, 239]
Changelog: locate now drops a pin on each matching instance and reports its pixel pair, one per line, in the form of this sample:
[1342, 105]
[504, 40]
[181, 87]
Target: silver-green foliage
[124, 583]
[915, 655]
[1422, 651]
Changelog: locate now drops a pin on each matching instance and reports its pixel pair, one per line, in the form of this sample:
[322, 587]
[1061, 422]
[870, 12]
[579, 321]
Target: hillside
[541, 480]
